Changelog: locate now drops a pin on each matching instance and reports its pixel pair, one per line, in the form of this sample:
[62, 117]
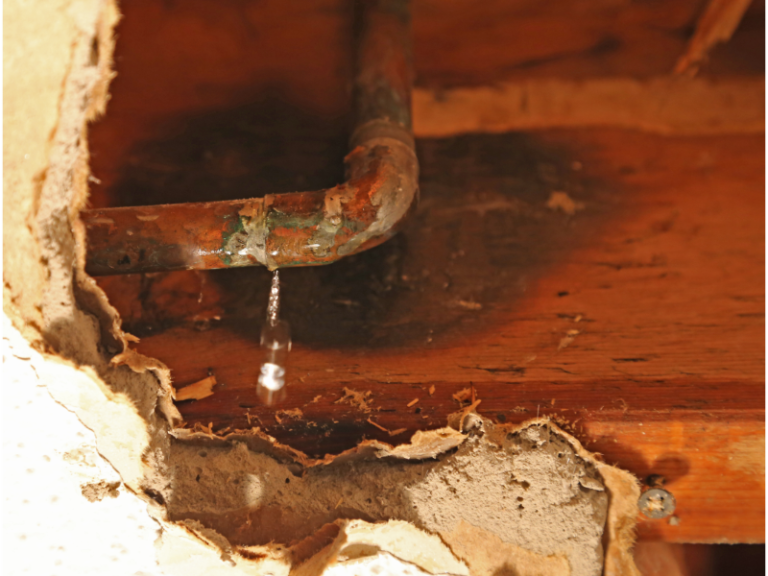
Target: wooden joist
[664, 105]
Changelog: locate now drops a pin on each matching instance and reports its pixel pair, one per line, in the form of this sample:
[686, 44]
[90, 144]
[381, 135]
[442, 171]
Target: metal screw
[657, 503]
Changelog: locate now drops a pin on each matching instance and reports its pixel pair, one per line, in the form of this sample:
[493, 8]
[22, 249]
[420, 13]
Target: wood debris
[566, 340]
[561, 201]
[293, 414]
[412, 402]
[387, 430]
[462, 396]
[360, 400]
[198, 390]
[431, 389]
[379, 426]
[469, 304]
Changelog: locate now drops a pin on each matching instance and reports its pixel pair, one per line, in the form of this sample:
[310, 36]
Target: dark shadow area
[266, 147]
[743, 559]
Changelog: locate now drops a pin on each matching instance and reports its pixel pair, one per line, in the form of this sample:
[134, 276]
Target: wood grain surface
[610, 279]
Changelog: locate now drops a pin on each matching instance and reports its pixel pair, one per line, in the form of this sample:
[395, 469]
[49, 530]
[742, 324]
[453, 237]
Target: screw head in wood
[657, 503]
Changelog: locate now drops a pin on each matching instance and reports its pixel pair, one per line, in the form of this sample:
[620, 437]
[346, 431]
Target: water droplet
[276, 343]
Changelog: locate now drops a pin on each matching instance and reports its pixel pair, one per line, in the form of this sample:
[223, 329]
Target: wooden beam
[661, 105]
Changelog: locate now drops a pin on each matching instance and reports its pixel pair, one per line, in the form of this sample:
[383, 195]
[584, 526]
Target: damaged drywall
[46, 294]
[65, 508]
[528, 487]
[480, 498]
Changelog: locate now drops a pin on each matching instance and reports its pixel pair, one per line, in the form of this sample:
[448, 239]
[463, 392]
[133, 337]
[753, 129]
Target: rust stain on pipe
[300, 228]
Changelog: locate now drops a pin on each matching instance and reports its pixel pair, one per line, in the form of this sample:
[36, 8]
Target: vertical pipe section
[293, 229]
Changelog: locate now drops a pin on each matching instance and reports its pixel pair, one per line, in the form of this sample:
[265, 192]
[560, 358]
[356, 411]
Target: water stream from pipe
[276, 342]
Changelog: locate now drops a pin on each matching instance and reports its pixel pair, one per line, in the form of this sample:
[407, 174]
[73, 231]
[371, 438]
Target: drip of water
[276, 342]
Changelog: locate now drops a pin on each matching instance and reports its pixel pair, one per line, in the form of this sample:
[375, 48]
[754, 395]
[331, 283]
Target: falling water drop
[276, 342]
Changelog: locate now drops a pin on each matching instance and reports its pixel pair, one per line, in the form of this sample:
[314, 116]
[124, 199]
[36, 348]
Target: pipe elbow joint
[320, 228]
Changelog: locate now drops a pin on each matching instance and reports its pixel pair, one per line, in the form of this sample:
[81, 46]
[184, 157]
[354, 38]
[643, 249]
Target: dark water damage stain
[481, 232]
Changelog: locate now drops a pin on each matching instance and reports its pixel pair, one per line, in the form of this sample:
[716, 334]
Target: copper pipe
[294, 229]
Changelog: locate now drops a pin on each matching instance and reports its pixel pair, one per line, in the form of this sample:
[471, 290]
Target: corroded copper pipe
[294, 229]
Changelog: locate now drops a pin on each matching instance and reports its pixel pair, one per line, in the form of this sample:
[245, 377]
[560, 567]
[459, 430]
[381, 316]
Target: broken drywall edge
[624, 491]
[403, 541]
[423, 444]
[250, 487]
[381, 564]
[51, 466]
[468, 541]
[141, 364]
[360, 545]
[184, 551]
[136, 439]
[121, 433]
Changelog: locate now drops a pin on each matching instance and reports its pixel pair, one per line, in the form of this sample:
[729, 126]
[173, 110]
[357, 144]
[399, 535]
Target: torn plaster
[49, 524]
[382, 564]
[532, 488]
